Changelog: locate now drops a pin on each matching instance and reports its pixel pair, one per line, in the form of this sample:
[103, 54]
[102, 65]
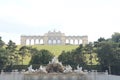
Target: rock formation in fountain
[55, 66]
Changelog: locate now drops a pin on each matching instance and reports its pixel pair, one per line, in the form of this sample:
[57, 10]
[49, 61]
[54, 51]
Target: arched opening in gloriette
[27, 42]
[58, 41]
[41, 41]
[54, 41]
[49, 41]
[32, 42]
[71, 41]
[80, 41]
[67, 41]
[76, 42]
[37, 41]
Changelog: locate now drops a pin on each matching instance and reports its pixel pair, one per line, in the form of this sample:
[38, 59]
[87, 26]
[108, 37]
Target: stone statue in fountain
[54, 60]
[42, 69]
[55, 66]
[68, 69]
[56, 71]
[79, 70]
[30, 69]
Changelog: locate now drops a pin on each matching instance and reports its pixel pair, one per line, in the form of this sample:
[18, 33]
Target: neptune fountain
[55, 71]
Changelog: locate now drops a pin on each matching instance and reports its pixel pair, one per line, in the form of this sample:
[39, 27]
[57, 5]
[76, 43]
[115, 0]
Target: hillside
[55, 49]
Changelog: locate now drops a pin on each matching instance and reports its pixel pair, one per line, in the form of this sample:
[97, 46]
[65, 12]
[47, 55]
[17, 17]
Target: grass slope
[56, 49]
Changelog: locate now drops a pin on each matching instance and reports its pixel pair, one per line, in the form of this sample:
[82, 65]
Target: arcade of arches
[54, 38]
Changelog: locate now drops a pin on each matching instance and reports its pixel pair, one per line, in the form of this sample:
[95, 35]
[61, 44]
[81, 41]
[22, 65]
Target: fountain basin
[55, 76]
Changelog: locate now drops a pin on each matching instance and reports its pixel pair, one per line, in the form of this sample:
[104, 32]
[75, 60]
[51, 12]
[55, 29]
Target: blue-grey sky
[95, 18]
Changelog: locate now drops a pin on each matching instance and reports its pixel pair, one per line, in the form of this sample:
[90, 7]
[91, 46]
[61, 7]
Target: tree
[97, 43]
[73, 57]
[101, 39]
[106, 54]
[1, 43]
[89, 50]
[42, 57]
[117, 56]
[11, 51]
[11, 46]
[23, 51]
[3, 56]
[3, 61]
[116, 37]
[66, 58]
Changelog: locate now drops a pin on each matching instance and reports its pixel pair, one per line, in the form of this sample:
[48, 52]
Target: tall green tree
[3, 61]
[11, 46]
[106, 54]
[23, 52]
[66, 58]
[3, 56]
[73, 57]
[1, 43]
[116, 37]
[11, 51]
[97, 43]
[42, 57]
[117, 56]
[89, 50]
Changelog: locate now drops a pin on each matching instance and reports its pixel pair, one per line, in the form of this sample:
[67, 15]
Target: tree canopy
[42, 57]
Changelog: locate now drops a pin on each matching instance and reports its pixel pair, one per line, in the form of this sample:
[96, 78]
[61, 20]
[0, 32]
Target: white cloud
[95, 18]
[10, 36]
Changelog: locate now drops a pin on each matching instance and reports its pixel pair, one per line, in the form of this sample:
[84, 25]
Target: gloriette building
[53, 38]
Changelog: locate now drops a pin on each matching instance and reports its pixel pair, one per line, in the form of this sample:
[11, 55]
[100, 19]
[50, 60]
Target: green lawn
[55, 49]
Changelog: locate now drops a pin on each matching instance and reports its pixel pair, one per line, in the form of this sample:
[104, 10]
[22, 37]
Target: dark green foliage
[33, 51]
[74, 57]
[116, 37]
[3, 62]
[109, 55]
[11, 47]
[3, 57]
[11, 52]
[42, 57]
[101, 39]
[1, 43]
[22, 51]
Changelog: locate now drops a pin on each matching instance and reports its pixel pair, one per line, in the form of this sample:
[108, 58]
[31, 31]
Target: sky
[95, 18]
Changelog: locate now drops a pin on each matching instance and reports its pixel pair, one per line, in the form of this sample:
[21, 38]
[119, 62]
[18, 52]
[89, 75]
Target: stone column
[29, 41]
[84, 42]
[45, 40]
[78, 41]
[56, 42]
[34, 41]
[39, 41]
[23, 40]
[52, 42]
[63, 40]
[73, 41]
[69, 41]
